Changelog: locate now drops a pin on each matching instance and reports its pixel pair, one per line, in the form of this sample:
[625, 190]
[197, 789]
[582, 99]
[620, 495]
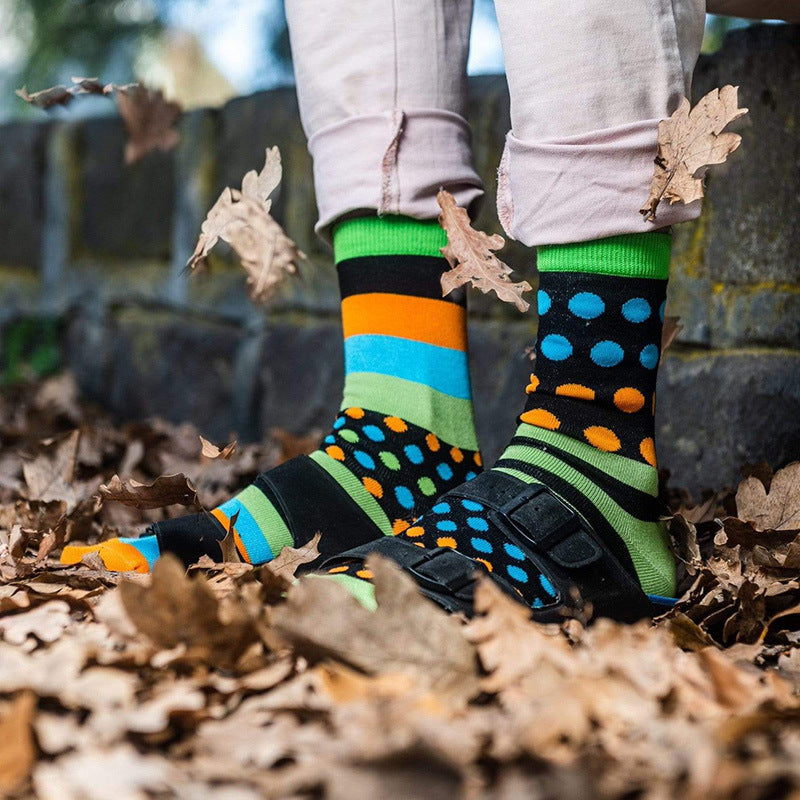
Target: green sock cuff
[387, 236]
[633, 255]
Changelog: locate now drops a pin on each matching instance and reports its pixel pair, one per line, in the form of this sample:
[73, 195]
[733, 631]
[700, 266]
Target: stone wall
[99, 248]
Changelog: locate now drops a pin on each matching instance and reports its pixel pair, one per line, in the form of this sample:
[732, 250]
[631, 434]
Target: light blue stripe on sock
[440, 368]
[147, 546]
[251, 535]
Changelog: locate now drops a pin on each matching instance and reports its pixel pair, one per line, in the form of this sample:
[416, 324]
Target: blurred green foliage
[30, 350]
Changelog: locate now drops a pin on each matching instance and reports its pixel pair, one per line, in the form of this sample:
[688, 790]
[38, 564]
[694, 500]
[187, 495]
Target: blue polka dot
[661, 310]
[514, 552]
[447, 525]
[373, 432]
[636, 310]
[586, 305]
[543, 302]
[404, 496]
[478, 523]
[470, 475]
[517, 573]
[441, 508]
[330, 439]
[445, 473]
[413, 453]
[649, 356]
[537, 603]
[547, 586]
[364, 459]
[471, 505]
[556, 347]
[481, 545]
[607, 354]
[339, 423]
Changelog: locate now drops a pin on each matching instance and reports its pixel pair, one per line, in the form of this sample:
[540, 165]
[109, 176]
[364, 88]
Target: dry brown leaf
[688, 143]
[149, 120]
[164, 491]
[406, 632]
[471, 257]
[777, 510]
[180, 610]
[50, 475]
[287, 562]
[17, 749]
[46, 623]
[672, 327]
[210, 450]
[260, 185]
[63, 95]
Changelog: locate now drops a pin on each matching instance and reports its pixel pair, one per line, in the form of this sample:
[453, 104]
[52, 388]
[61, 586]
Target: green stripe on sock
[353, 486]
[646, 541]
[634, 255]
[450, 418]
[268, 519]
[635, 473]
[387, 236]
[363, 591]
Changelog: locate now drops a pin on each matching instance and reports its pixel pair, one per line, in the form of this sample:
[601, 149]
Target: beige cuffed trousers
[382, 92]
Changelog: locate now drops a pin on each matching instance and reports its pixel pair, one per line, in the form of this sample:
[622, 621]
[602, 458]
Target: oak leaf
[63, 95]
[164, 491]
[778, 509]
[471, 257]
[287, 562]
[149, 119]
[210, 450]
[688, 143]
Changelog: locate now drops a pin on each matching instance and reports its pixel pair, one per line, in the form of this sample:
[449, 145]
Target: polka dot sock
[405, 433]
[587, 431]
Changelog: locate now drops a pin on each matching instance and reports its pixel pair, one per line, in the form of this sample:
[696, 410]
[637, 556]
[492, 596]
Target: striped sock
[405, 432]
[587, 430]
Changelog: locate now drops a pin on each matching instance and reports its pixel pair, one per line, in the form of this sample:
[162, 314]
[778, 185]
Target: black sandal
[579, 565]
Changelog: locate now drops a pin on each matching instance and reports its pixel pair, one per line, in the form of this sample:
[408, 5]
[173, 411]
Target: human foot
[405, 433]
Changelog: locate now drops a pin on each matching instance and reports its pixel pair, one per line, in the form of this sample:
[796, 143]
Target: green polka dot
[390, 460]
[348, 436]
[426, 486]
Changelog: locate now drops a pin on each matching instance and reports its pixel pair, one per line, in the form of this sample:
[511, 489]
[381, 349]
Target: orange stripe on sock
[237, 540]
[419, 318]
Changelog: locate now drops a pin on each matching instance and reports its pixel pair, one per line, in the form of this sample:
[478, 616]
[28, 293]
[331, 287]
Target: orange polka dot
[456, 455]
[533, 385]
[648, 450]
[628, 399]
[476, 457]
[395, 424]
[446, 541]
[417, 530]
[354, 412]
[576, 390]
[541, 418]
[366, 574]
[486, 564]
[419, 544]
[602, 438]
[433, 442]
[335, 452]
[334, 570]
[373, 487]
[399, 526]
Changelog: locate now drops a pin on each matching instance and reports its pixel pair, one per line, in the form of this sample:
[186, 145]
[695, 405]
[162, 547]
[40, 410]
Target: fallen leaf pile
[229, 682]
[688, 143]
[148, 116]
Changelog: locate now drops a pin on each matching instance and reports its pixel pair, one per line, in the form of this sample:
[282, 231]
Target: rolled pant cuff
[582, 187]
[394, 162]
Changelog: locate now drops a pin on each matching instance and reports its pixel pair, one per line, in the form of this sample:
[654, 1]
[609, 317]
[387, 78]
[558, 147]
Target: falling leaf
[17, 749]
[688, 143]
[164, 491]
[672, 327]
[242, 219]
[777, 510]
[210, 450]
[63, 95]
[149, 120]
[471, 257]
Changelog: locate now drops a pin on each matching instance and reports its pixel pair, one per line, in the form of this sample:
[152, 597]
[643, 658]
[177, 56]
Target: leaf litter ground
[230, 682]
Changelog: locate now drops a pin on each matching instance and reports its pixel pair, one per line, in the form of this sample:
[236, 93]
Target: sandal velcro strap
[534, 514]
[310, 500]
